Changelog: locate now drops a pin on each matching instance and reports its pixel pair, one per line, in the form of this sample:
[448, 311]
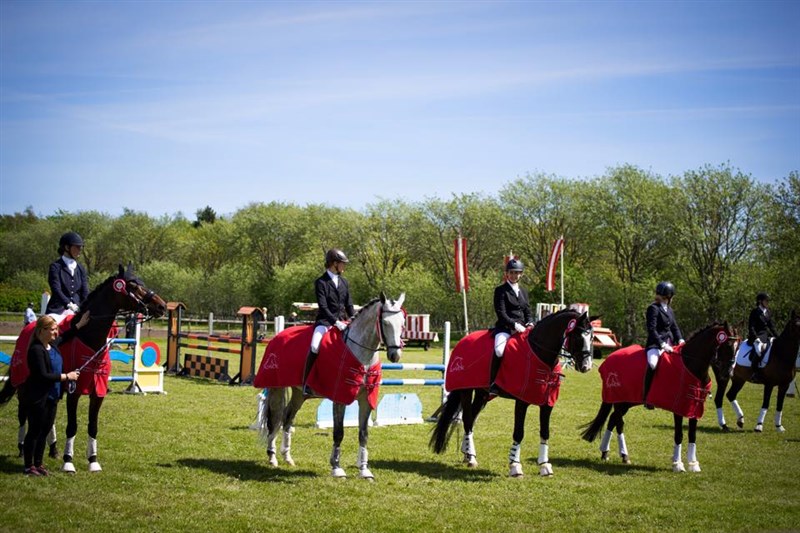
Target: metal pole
[562, 271]
[466, 320]
[445, 356]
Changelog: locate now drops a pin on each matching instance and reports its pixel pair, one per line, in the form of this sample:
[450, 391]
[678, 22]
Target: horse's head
[793, 326]
[567, 330]
[727, 341]
[391, 320]
[130, 294]
[714, 345]
[578, 341]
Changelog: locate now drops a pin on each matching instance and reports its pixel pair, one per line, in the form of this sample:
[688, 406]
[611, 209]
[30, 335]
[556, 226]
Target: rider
[662, 332]
[68, 281]
[512, 306]
[335, 305]
[760, 329]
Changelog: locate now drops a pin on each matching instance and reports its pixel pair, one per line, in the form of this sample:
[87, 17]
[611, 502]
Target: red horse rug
[336, 375]
[93, 378]
[522, 374]
[674, 388]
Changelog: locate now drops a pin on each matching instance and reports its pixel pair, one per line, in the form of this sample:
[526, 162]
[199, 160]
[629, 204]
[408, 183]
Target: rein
[73, 385]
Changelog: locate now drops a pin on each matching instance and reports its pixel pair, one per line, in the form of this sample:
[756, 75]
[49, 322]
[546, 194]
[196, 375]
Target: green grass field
[186, 461]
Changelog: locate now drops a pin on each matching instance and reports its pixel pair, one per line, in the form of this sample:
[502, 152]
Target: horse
[687, 367]
[778, 372]
[379, 322]
[120, 292]
[539, 347]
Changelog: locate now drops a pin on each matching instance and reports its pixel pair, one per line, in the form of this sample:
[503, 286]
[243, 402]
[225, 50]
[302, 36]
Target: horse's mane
[704, 329]
[98, 289]
[552, 316]
[364, 308]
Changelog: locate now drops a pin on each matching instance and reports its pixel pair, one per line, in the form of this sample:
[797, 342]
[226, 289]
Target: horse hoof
[625, 459]
[68, 467]
[515, 470]
[95, 467]
[740, 422]
[759, 428]
[677, 466]
[604, 456]
[545, 469]
[273, 459]
[287, 458]
[725, 428]
[472, 462]
[338, 472]
[694, 466]
[780, 429]
[365, 473]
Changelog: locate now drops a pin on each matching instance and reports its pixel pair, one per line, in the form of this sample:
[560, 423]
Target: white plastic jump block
[399, 408]
[325, 415]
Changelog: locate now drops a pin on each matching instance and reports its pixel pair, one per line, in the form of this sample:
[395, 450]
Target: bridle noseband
[381, 334]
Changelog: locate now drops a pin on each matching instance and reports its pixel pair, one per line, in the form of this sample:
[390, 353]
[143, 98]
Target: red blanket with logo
[674, 388]
[336, 375]
[93, 378]
[522, 374]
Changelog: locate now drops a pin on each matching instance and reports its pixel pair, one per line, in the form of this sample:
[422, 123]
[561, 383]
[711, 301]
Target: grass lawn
[186, 461]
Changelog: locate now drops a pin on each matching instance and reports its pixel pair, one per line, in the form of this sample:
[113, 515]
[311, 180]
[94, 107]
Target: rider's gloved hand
[73, 307]
[666, 347]
[519, 328]
[341, 326]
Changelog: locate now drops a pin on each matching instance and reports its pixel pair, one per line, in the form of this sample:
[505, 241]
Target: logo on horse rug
[522, 374]
[674, 388]
[336, 375]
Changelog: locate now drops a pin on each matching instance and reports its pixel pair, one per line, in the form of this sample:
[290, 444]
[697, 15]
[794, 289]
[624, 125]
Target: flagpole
[466, 322]
[562, 270]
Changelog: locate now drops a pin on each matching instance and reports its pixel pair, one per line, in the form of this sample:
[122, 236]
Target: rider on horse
[335, 305]
[67, 278]
[662, 331]
[512, 306]
[760, 328]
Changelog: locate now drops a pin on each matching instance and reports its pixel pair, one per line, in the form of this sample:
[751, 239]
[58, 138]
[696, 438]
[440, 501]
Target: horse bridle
[561, 352]
[381, 333]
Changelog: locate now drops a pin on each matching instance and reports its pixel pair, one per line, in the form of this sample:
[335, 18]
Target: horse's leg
[691, 451]
[72, 430]
[736, 386]
[677, 462]
[622, 410]
[722, 384]
[95, 403]
[295, 403]
[364, 412]
[22, 416]
[338, 436]
[782, 389]
[514, 463]
[545, 468]
[468, 417]
[764, 408]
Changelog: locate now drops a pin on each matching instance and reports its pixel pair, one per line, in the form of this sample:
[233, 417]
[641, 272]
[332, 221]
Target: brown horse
[778, 372]
[714, 345]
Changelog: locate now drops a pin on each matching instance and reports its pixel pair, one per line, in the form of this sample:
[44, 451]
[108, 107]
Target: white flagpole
[466, 321]
[562, 270]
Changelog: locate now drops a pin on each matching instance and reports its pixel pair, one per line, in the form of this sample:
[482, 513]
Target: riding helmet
[333, 255]
[761, 297]
[665, 288]
[514, 265]
[69, 239]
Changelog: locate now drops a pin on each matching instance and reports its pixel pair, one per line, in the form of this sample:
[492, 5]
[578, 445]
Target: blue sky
[167, 107]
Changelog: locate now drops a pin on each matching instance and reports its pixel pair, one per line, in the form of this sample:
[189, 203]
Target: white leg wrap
[91, 450]
[623, 448]
[468, 445]
[676, 453]
[605, 442]
[21, 434]
[51, 436]
[69, 447]
[513, 453]
[720, 417]
[543, 453]
[779, 421]
[363, 457]
[336, 470]
[691, 453]
[737, 409]
[286, 447]
[761, 416]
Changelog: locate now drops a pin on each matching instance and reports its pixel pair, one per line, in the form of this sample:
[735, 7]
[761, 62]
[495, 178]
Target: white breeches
[316, 338]
[500, 340]
[653, 354]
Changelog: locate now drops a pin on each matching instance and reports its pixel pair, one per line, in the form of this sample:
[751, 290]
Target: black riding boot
[310, 360]
[648, 380]
[494, 389]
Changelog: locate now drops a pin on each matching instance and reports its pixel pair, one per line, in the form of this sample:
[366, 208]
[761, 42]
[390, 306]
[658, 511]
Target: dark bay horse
[379, 322]
[121, 292]
[778, 372]
[714, 345]
[568, 329]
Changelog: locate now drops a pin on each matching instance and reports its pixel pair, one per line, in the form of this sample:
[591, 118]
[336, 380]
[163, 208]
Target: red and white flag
[552, 264]
[462, 272]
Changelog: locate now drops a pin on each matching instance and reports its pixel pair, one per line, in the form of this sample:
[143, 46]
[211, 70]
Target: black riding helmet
[333, 255]
[514, 265]
[761, 297]
[665, 288]
[69, 239]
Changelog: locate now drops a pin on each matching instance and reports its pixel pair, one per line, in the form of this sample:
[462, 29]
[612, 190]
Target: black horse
[121, 292]
[778, 372]
[568, 329]
[712, 346]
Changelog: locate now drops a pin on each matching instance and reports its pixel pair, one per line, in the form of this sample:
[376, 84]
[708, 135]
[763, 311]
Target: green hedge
[15, 299]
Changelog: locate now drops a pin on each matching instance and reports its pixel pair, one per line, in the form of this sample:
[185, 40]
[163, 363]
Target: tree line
[719, 234]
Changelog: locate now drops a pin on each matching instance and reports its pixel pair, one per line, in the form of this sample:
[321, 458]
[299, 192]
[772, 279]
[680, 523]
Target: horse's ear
[595, 317]
[400, 300]
[121, 270]
[383, 297]
[129, 271]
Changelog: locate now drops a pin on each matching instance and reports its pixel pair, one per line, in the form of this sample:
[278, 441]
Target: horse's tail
[593, 428]
[7, 392]
[444, 426]
[271, 411]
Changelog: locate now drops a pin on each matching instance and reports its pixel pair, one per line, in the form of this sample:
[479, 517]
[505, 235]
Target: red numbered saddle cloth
[94, 377]
[674, 388]
[336, 374]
